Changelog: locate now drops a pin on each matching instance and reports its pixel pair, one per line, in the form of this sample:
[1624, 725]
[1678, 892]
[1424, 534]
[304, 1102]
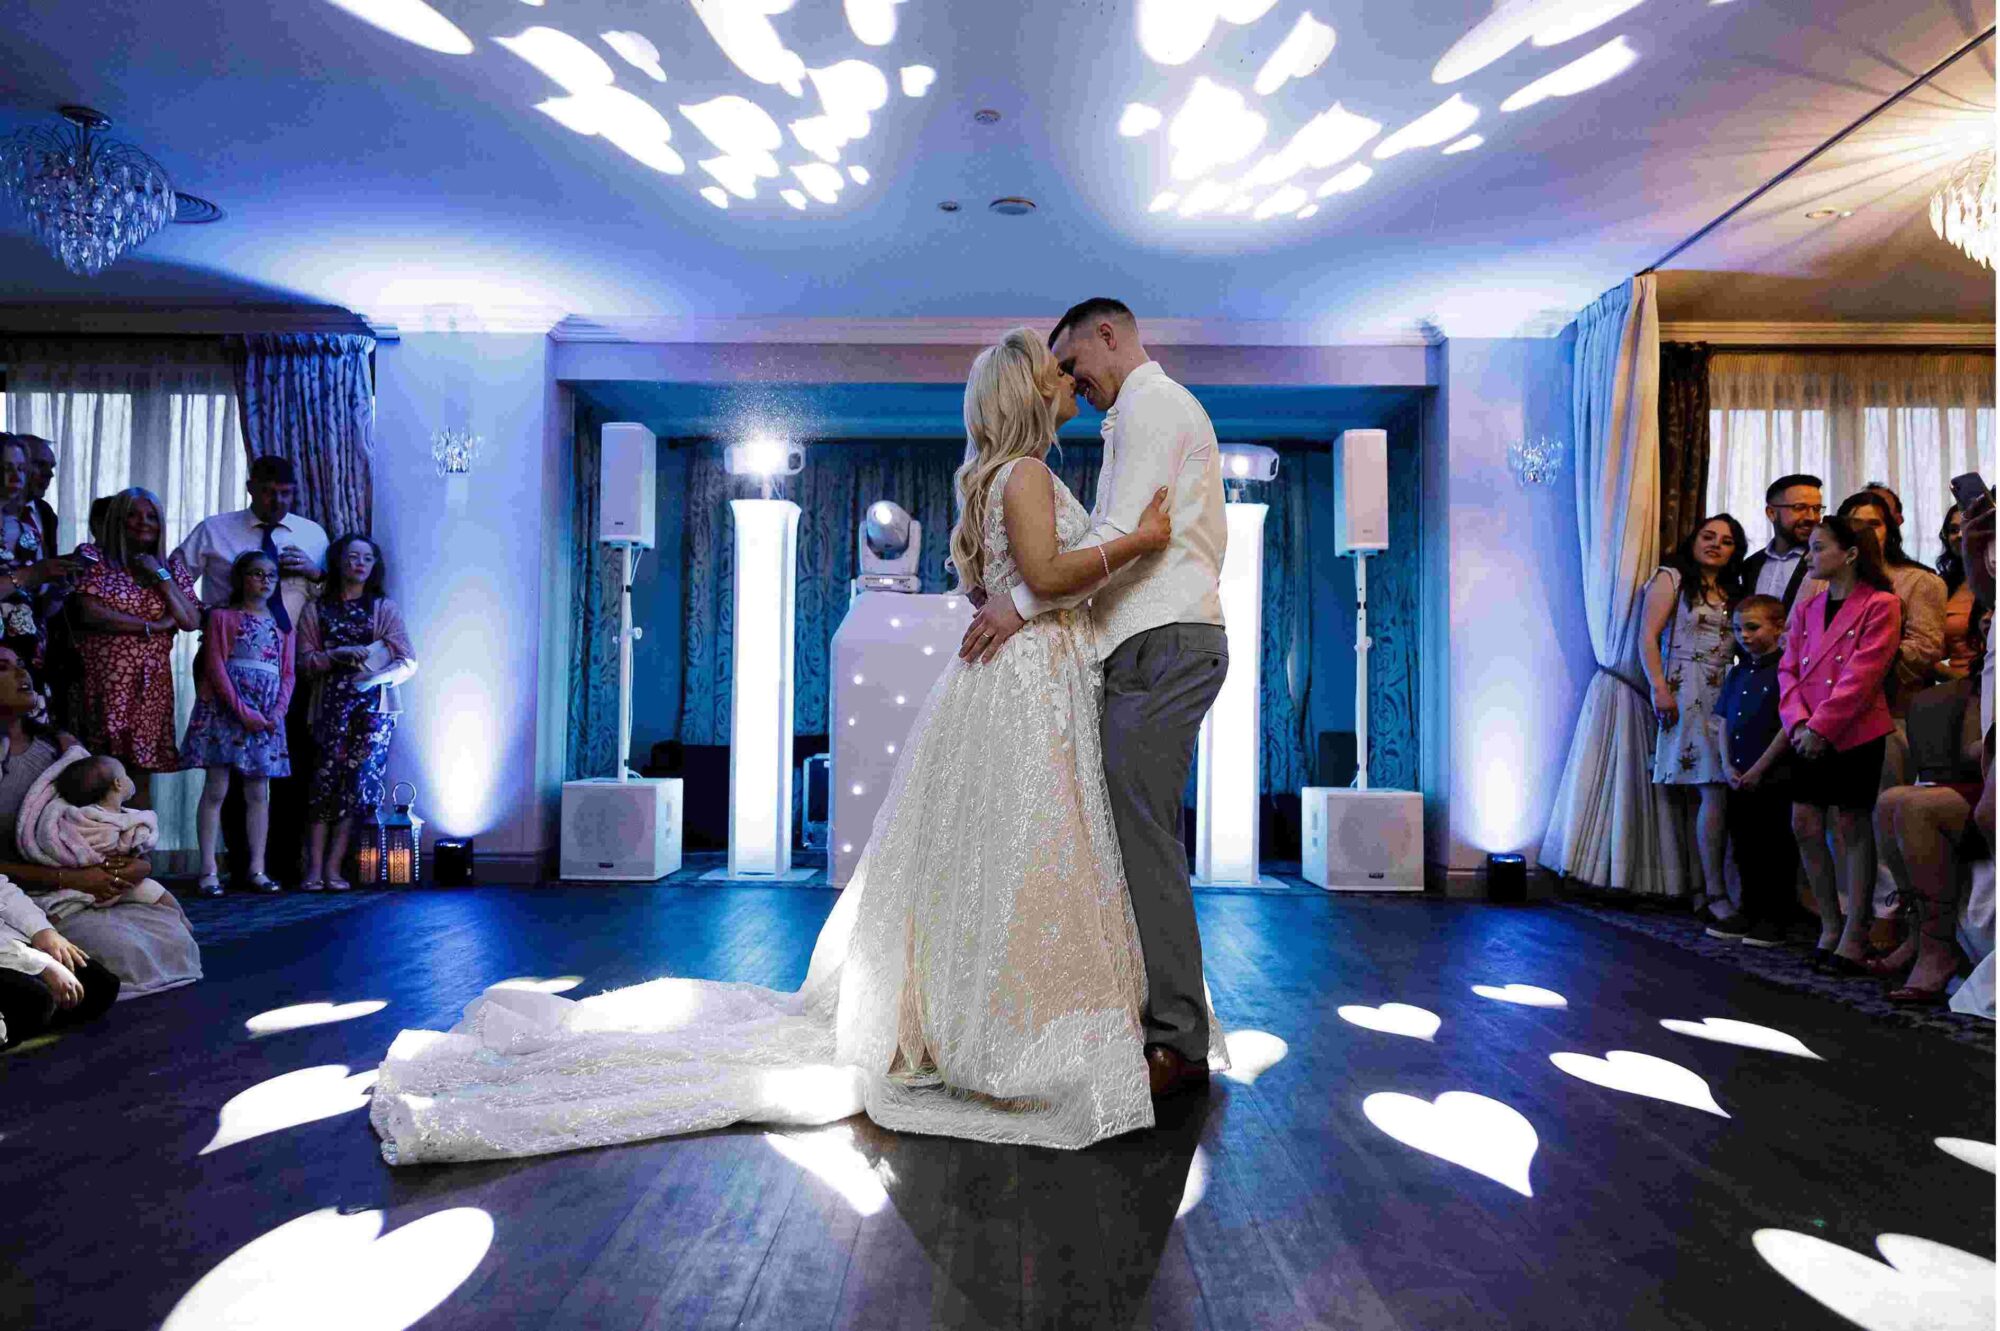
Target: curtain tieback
[1630, 683]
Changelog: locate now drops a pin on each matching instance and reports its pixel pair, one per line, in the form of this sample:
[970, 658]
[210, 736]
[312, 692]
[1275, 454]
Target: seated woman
[148, 947]
[353, 646]
[45, 980]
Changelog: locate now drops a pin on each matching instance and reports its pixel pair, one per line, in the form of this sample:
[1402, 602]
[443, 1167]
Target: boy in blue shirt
[1754, 752]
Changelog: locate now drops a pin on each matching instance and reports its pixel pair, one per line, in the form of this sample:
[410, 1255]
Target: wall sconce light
[1535, 462]
[454, 451]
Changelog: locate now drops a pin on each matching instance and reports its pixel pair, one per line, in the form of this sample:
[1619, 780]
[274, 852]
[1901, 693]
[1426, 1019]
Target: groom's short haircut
[1090, 311]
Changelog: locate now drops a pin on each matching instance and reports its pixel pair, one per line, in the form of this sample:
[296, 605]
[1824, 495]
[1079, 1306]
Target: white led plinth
[1229, 767]
[760, 702]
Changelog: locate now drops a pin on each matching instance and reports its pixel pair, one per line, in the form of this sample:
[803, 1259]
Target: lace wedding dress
[980, 976]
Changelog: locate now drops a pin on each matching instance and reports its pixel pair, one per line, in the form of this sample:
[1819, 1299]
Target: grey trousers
[1158, 686]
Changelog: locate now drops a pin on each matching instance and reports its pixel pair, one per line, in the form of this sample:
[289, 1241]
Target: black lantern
[399, 840]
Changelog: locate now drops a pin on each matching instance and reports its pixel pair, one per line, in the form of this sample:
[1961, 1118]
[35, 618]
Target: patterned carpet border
[1789, 966]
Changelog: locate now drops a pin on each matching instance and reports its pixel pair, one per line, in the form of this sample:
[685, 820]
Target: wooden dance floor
[1350, 1174]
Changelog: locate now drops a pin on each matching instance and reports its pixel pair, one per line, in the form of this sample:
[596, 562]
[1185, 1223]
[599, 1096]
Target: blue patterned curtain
[310, 398]
[594, 592]
[1392, 619]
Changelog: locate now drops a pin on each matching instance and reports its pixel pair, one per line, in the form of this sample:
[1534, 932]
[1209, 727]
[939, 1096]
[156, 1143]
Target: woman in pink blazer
[1839, 648]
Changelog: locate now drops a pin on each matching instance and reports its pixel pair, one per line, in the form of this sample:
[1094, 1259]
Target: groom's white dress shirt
[1155, 435]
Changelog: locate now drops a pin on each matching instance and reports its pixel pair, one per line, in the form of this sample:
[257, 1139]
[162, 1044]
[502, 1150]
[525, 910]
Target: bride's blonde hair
[1010, 413]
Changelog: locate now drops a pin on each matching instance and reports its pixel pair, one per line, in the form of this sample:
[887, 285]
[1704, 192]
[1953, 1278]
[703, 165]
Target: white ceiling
[361, 170]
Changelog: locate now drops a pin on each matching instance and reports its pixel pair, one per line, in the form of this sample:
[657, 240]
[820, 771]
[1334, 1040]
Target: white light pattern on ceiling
[1217, 127]
[751, 161]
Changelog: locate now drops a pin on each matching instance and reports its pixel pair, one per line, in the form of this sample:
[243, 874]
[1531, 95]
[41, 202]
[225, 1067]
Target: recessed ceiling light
[1827, 214]
[1012, 206]
[987, 116]
[948, 206]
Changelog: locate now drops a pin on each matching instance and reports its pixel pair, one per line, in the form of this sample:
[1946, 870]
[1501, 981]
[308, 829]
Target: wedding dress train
[980, 976]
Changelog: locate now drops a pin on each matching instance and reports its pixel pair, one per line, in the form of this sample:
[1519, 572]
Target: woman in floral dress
[124, 614]
[352, 724]
[28, 572]
[1686, 649]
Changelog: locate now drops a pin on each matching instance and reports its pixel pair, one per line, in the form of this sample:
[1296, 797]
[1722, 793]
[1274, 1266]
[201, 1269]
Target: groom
[1159, 620]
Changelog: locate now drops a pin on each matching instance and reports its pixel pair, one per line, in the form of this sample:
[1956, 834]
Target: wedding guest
[46, 981]
[1958, 601]
[351, 724]
[1840, 645]
[1685, 651]
[243, 685]
[1921, 592]
[28, 569]
[1920, 829]
[298, 545]
[148, 947]
[1895, 502]
[1755, 754]
[125, 611]
[1792, 504]
[41, 474]
[62, 669]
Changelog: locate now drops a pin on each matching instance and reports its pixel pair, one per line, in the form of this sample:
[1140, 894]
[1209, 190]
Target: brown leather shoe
[1168, 1073]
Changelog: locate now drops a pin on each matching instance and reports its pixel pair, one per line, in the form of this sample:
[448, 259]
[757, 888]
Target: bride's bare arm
[1030, 510]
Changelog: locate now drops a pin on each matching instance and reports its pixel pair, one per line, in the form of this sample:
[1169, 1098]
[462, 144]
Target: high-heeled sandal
[312, 885]
[1910, 995]
[1945, 931]
[259, 882]
[339, 885]
[208, 885]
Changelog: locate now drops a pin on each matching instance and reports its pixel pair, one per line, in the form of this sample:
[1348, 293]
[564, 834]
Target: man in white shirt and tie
[1159, 623]
[297, 543]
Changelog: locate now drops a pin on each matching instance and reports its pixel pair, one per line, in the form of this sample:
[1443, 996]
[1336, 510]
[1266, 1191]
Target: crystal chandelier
[1962, 211]
[88, 198]
[454, 451]
[1536, 461]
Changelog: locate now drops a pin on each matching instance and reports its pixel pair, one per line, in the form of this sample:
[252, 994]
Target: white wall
[1504, 602]
[482, 588]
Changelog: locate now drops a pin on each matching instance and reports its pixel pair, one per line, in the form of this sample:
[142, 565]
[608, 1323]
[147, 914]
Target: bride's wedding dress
[979, 977]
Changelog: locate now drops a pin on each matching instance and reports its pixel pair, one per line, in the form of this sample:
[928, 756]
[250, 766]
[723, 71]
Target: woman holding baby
[95, 903]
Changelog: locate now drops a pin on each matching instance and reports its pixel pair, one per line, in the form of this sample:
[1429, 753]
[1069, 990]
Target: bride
[980, 976]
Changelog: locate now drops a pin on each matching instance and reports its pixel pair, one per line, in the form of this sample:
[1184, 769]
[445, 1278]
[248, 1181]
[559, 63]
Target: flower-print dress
[125, 704]
[1696, 651]
[215, 737]
[352, 734]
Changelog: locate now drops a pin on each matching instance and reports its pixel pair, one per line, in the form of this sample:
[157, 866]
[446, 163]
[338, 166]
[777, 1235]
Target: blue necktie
[283, 620]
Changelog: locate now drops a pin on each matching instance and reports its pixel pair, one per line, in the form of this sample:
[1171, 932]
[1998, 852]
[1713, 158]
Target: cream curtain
[160, 414]
[1912, 419]
[1610, 828]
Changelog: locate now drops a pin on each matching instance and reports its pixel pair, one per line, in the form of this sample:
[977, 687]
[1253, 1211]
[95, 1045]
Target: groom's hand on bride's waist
[993, 623]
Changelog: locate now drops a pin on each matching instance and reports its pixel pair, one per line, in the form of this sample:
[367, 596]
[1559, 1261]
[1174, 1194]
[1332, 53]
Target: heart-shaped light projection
[742, 28]
[1286, 199]
[332, 1272]
[1441, 123]
[635, 50]
[831, 1156]
[1642, 1074]
[1607, 62]
[821, 181]
[413, 21]
[1252, 1054]
[872, 21]
[741, 130]
[1303, 51]
[310, 1014]
[1976, 1153]
[560, 984]
[1137, 119]
[1213, 128]
[1347, 181]
[1172, 32]
[1197, 1183]
[595, 105]
[286, 1101]
[1393, 1019]
[733, 174]
[1461, 1128]
[850, 92]
[1526, 995]
[1464, 145]
[1926, 1286]
[859, 175]
[1332, 136]
[796, 198]
[917, 79]
[716, 195]
[1724, 1031]
[1547, 22]
[1205, 198]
